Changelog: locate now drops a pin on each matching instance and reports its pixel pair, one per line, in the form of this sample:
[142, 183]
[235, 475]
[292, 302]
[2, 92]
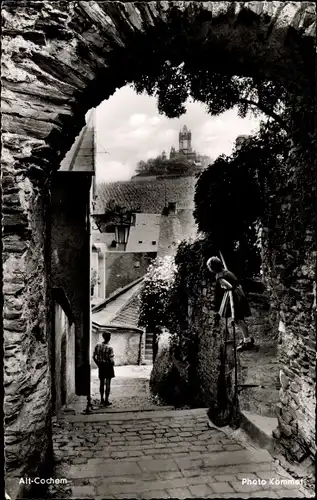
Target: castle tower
[185, 140]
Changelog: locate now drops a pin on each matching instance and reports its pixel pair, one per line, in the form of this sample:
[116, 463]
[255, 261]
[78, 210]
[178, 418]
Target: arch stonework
[59, 59]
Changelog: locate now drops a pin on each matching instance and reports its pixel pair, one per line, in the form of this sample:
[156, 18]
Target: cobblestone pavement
[129, 389]
[160, 454]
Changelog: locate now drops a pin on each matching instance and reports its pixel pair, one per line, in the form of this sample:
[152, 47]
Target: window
[153, 242]
[140, 241]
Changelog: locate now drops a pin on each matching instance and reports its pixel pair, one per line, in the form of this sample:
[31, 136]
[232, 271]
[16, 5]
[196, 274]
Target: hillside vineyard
[148, 196]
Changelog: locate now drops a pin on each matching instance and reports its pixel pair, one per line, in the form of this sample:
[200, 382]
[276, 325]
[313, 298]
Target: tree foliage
[220, 90]
[232, 196]
[172, 85]
[241, 191]
[173, 166]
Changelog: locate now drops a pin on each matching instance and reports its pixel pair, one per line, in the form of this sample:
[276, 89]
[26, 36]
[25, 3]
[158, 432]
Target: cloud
[130, 129]
[139, 133]
[152, 153]
[111, 171]
[155, 120]
[137, 119]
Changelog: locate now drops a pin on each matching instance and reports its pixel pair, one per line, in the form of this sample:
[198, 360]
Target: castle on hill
[184, 148]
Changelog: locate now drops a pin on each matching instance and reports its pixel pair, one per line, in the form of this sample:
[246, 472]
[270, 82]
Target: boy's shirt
[103, 354]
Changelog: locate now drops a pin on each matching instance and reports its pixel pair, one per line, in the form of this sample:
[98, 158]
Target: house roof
[147, 196]
[121, 311]
[81, 156]
[129, 313]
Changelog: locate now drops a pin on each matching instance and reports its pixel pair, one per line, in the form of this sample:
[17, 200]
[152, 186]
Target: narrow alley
[161, 454]
[137, 449]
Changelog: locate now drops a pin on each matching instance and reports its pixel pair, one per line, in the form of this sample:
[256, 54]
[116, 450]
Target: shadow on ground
[130, 390]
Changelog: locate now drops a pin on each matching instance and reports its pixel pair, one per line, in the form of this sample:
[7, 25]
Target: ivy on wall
[167, 286]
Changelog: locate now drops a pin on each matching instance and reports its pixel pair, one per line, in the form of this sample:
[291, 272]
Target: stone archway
[59, 60]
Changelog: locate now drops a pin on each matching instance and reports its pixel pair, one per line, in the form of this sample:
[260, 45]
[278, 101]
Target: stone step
[112, 410]
[137, 415]
[259, 429]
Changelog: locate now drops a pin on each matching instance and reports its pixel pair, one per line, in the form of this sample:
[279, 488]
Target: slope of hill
[147, 196]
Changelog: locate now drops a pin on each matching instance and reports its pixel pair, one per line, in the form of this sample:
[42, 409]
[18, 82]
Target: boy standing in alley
[104, 358]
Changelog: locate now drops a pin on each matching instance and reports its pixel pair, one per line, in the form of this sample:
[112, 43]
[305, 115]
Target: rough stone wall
[121, 268]
[57, 62]
[27, 377]
[297, 357]
[289, 257]
[260, 366]
[201, 315]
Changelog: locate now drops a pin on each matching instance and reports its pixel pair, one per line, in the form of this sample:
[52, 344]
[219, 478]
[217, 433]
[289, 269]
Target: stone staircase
[260, 366]
[148, 357]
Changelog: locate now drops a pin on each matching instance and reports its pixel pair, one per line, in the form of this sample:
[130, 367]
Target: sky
[129, 129]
